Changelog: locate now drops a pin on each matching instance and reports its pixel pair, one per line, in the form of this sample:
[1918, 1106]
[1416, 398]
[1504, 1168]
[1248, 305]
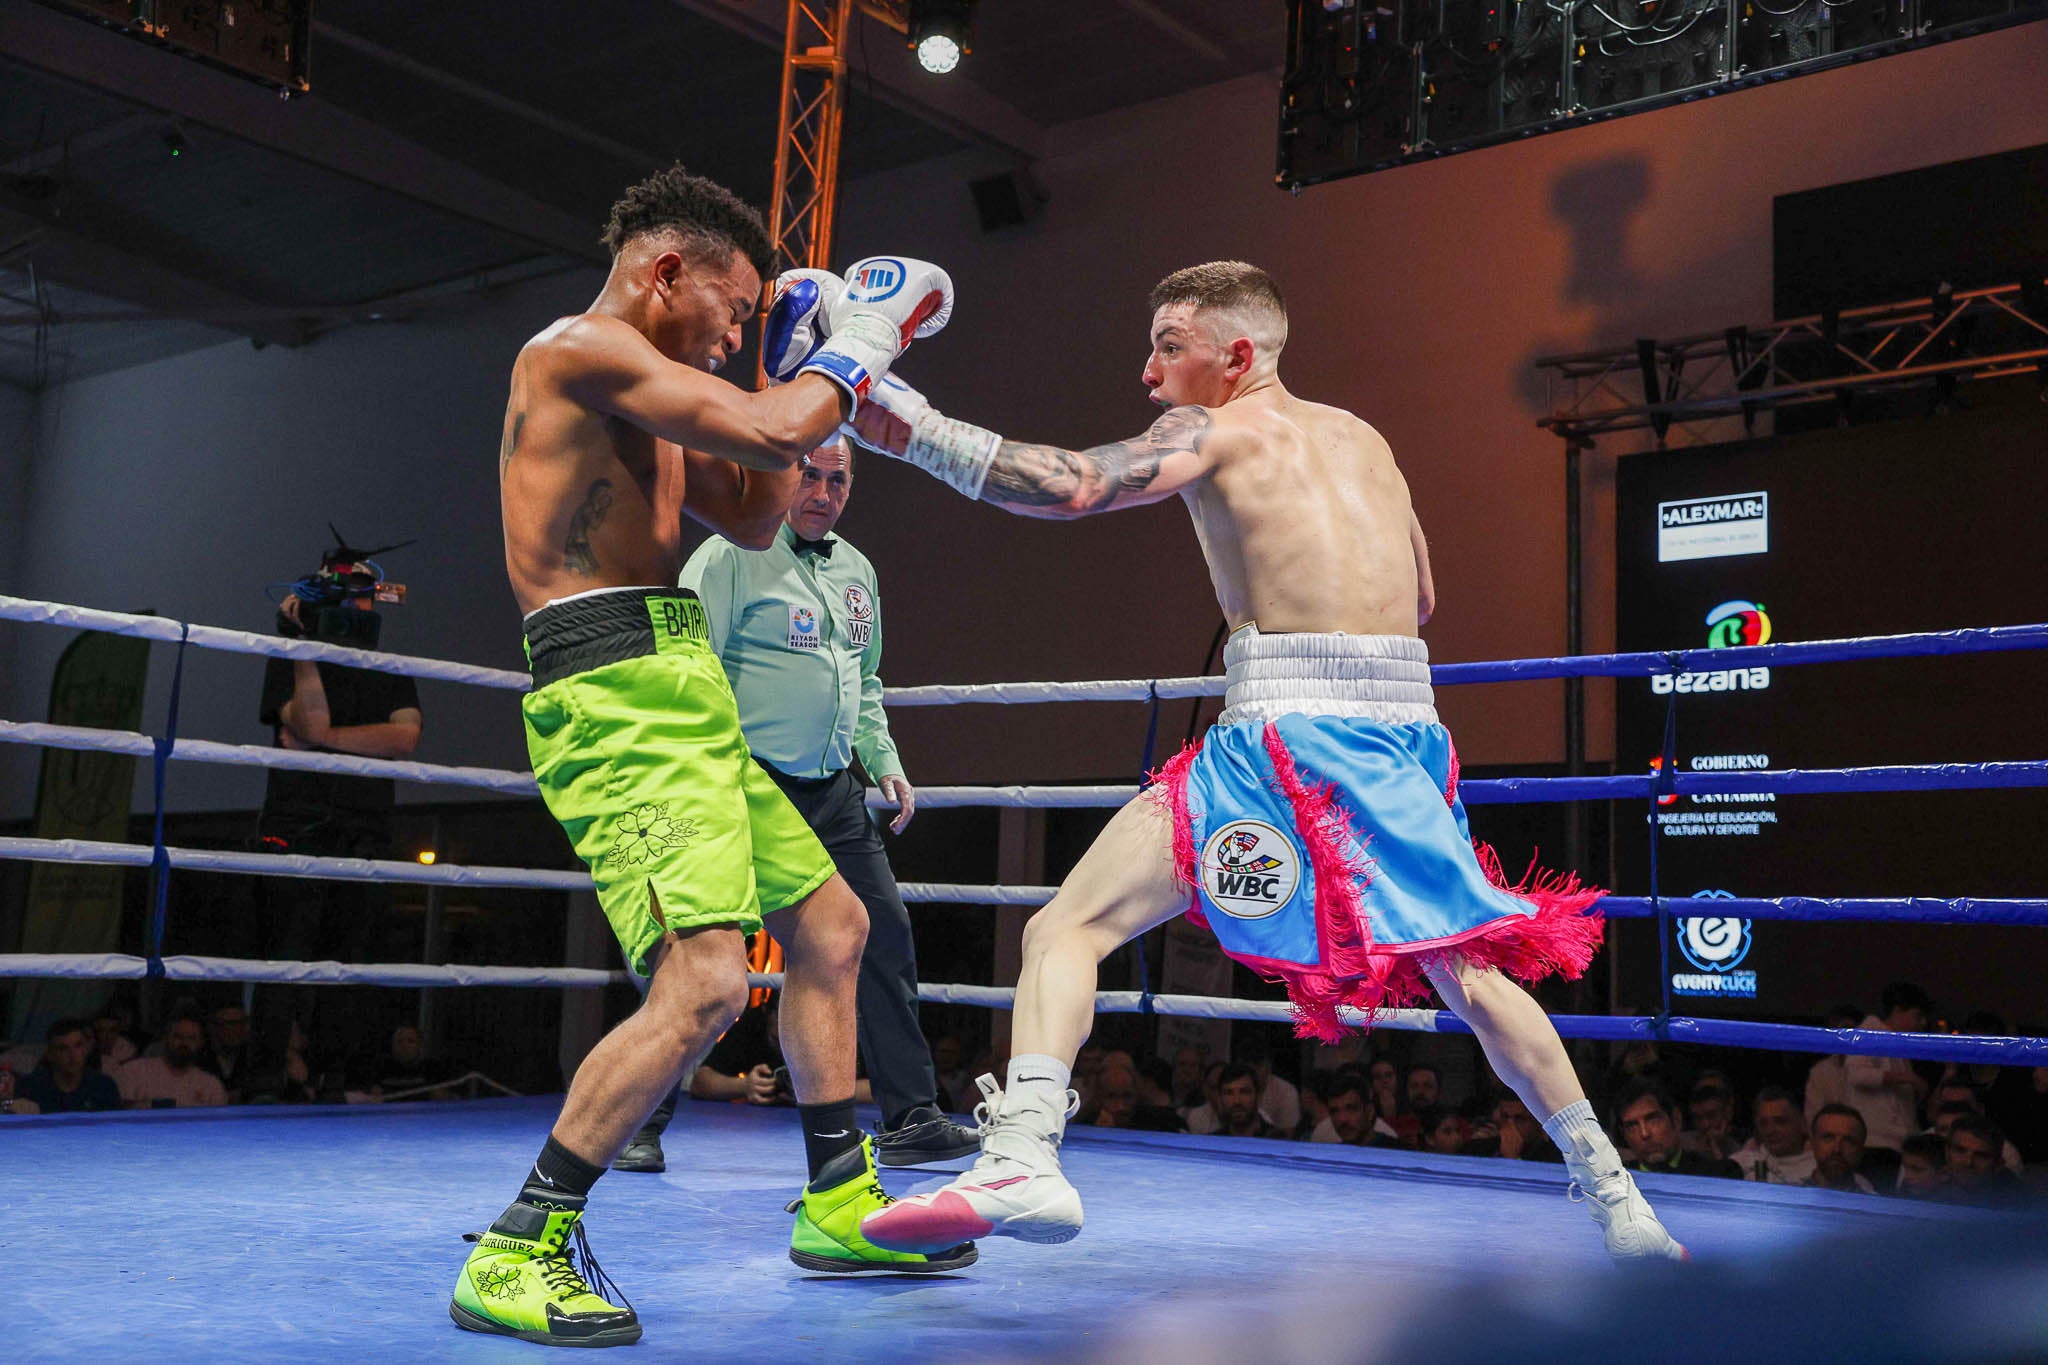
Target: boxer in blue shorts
[1318, 830]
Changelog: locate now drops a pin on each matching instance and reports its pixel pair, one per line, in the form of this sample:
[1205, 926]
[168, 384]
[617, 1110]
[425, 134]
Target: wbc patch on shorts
[1252, 872]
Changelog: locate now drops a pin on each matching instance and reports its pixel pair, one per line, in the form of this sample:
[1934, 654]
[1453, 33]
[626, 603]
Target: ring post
[159, 853]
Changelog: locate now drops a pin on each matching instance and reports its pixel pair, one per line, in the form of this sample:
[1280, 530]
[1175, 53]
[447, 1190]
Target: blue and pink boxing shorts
[1319, 826]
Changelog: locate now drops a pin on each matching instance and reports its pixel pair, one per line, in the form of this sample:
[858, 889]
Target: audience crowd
[1970, 1133]
[201, 1059]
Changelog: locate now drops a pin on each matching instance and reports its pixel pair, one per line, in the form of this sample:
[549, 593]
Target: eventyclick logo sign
[1710, 528]
[1715, 945]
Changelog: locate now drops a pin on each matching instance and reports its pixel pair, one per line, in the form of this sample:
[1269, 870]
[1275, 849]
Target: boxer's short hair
[1233, 287]
[710, 219]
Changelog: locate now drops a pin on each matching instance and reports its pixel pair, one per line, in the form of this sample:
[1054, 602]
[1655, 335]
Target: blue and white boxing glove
[796, 323]
[882, 303]
[901, 423]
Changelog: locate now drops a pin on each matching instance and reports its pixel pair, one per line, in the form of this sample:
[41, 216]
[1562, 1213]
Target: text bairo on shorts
[635, 740]
[1319, 826]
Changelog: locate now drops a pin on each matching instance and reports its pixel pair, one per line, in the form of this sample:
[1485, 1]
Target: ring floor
[327, 1234]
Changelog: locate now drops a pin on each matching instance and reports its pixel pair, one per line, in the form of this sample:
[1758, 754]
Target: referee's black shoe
[924, 1135]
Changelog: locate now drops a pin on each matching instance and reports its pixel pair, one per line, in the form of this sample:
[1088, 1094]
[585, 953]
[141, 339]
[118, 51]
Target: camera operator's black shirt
[355, 696]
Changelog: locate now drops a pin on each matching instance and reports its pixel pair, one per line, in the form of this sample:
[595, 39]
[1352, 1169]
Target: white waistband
[1382, 678]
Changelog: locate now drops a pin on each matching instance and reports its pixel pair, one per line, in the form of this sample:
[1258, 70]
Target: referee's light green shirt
[801, 639]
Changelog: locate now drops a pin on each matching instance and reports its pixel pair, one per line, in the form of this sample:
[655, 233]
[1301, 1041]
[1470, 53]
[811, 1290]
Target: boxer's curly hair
[710, 219]
[1233, 287]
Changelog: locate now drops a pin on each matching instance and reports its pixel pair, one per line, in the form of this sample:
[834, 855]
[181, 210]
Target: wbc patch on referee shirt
[860, 615]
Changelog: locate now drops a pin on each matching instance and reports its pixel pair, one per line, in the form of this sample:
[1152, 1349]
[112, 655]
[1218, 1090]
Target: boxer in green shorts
[642, 760]
[615, 431]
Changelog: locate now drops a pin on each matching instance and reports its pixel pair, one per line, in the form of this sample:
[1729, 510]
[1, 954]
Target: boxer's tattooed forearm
[1077, 482]
[577, 555]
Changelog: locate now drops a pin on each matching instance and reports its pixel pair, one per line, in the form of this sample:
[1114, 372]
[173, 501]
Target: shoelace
[574, 1270]
[995, 1125]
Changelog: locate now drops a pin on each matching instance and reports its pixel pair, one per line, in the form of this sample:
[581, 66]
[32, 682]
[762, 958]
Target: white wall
[185, 486]
[1420, 298]
[17, 454]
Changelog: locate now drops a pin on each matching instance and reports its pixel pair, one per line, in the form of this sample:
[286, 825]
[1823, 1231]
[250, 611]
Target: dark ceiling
[452, 146]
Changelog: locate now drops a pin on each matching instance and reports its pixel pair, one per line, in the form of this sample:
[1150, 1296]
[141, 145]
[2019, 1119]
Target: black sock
[829, 1129]
[560, 1174]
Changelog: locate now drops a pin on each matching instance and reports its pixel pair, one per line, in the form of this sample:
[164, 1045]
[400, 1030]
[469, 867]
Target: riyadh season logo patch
[1250, 869]
[1732, 624]
[803, 628]
[1716, 946]
[878, 279]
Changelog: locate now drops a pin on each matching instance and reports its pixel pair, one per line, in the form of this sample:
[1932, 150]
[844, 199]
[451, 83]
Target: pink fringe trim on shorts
[1559, 939]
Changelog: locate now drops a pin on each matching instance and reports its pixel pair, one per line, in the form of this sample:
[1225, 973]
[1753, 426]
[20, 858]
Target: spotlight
[938, 31]
[426, 857]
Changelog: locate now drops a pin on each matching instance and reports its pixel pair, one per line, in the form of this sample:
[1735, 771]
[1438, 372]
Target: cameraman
[329, 708]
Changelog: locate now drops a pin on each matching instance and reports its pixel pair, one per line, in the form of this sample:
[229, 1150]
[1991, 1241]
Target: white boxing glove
[886, 301]
[796, 323]
[954, 452]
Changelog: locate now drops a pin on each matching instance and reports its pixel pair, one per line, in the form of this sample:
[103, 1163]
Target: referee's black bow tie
[821, 548]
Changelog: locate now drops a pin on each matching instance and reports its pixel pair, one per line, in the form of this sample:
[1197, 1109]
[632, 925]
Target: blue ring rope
[1898, 777]
[1650, 663]
[1814, 909]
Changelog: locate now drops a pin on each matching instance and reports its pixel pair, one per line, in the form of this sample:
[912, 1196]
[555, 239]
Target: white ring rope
[957, 694]
[246, 642]
[262, 756]
[431, 874]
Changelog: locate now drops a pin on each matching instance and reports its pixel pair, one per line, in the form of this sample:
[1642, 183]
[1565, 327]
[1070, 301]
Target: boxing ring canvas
[333, 1234]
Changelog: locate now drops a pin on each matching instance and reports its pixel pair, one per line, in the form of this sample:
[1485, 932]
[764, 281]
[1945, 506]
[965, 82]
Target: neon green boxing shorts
[635, 740]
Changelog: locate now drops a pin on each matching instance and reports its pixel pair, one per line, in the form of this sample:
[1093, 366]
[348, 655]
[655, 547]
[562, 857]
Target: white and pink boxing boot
[1014, 1188]
[1599, 1180]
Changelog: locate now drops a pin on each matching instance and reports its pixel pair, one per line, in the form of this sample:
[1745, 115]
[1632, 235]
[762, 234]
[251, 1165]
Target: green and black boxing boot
[828, 1213]
[532, 1276]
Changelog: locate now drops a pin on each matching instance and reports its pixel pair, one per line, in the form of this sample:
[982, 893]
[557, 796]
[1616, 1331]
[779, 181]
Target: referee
[798, 628]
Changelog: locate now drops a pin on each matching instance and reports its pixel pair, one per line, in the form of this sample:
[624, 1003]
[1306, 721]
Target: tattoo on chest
[577, 554]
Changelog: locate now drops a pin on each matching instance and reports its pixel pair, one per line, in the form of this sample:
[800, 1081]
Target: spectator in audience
[406, 1066]
[745, 1064]
[1827, 1082]
[1949, 1114]
[174, 1080]
[2018, 1103]
[1779, 1154]
[1279, 1101]
[1710, 1110]
[1237, 1096]
[1839, 1138]
[11, 1103]
[1976, 1175]
[1979, 1076]
[281, 1074]
[1421, 1089]
[1354, 1119]
[112, 1044]
[1386, 1089]
[1122, 1101]
[1643, 1116]
[1511, 1131]
[1189, 1062]
[1953, 1090]
[1887, 1091]
[227, 1048]
[1923, 1167]
[64, 1083]
[1315, 1104]
[1444, 1131]
[1205, 1117]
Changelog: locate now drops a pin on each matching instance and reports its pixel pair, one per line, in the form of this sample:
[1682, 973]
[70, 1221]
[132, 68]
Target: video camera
[326, 598]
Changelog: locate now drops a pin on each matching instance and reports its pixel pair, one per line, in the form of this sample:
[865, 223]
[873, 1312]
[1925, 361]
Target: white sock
[1039, 1079]
[1582, 1140]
